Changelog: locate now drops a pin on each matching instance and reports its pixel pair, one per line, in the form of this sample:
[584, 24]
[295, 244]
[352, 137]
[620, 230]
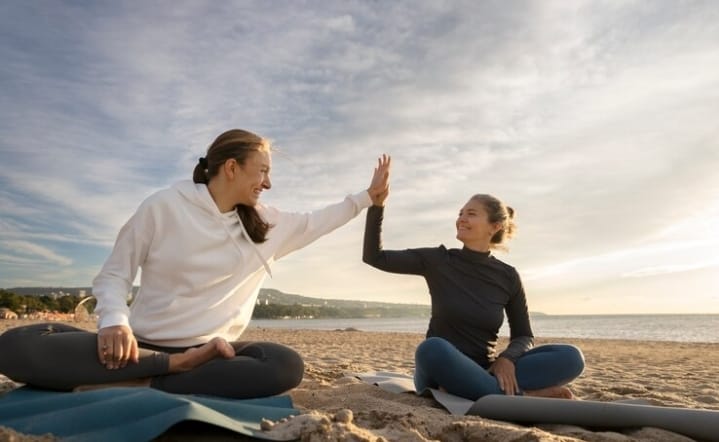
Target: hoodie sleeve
[113, 285]
[300, 229]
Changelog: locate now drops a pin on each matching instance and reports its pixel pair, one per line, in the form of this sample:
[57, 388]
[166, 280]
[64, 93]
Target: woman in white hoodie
[205, 248]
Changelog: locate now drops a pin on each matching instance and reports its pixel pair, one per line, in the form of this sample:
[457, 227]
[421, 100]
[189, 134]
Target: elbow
[366, 259]
[370, 259]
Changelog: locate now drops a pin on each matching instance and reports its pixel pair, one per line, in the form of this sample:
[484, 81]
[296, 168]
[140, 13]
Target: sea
[667, 327]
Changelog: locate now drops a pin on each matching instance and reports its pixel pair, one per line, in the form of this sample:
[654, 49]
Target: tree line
[31, 304]
[21, 304]
[277, 311]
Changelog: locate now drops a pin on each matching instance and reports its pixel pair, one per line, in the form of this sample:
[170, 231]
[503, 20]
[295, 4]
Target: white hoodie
[200, 271]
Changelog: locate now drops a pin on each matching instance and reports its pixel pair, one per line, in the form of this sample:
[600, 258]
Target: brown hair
[235, 144]
[498, 212]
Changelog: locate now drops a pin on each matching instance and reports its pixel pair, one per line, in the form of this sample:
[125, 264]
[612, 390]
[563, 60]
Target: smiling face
[252, 177]
[473, 227]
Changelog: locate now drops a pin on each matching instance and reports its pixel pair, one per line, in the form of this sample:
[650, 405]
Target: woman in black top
[471, 290]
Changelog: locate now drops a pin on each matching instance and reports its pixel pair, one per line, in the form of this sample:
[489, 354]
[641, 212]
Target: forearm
[517, 347]
[296, 230]
[372, 246]
[111, 293]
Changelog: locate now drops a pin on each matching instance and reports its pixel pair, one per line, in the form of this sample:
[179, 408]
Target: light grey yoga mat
[401, 383]
[696, 423]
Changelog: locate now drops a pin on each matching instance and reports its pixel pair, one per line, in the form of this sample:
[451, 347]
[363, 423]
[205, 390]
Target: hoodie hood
[199, 195]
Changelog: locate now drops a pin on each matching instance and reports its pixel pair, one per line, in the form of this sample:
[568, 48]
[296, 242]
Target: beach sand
[664, 373]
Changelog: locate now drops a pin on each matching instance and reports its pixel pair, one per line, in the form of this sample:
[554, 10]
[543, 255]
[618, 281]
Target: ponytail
[199, 175]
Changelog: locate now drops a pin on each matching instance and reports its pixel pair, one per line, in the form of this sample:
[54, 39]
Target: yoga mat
[695, 423]
[131, 413]
[401, 383]
[692, 422]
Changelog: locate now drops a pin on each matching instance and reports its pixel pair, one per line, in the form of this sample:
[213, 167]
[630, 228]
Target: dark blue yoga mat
[131, 413]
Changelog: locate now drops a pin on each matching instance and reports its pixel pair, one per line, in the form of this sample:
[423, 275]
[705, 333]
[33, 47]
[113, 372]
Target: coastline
[645, 327]
[674, 374]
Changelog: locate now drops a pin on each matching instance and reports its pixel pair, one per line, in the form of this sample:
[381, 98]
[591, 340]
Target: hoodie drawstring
[254, 247]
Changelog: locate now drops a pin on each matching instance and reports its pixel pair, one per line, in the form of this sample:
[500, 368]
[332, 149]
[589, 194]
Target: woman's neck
[481, 248]
[223, 202]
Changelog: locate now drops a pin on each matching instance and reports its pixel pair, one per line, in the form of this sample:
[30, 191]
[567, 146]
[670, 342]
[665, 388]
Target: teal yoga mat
[131, 413]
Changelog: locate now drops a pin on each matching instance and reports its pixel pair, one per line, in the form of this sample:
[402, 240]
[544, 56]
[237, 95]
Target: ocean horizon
[639, 327]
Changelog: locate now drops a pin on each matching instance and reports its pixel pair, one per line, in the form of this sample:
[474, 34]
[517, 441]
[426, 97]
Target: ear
[230, 168]
[496, 227]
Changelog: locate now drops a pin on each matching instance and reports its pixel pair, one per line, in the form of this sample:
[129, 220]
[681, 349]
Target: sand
[340, 407]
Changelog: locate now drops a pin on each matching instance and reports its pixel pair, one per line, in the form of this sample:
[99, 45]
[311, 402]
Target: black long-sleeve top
[469, 290]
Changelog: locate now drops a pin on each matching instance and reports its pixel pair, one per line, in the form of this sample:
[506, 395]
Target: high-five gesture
[379, 187]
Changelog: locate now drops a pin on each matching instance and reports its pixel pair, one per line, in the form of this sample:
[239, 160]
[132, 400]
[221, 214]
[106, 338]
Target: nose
[266, 183]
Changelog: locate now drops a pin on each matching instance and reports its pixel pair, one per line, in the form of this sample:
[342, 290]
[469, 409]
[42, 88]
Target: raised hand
[379, 187]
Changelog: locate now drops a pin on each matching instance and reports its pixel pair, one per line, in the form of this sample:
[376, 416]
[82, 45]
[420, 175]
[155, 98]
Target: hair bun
[510, 211]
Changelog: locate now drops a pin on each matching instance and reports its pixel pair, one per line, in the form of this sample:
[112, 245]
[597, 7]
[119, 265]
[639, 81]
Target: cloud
[30, 251]
[593, 120]
[650, 258]
[678, 268]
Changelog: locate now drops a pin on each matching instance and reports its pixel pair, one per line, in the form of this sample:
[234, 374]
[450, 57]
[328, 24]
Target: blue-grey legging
[439, 363]
[62, 357]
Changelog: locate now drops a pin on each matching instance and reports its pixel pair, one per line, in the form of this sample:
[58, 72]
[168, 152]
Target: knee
[432, 351]
[573, 359]
[11, 343]
[296, 369]
[290, 369]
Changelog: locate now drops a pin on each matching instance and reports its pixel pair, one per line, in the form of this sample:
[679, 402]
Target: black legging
[62, 357]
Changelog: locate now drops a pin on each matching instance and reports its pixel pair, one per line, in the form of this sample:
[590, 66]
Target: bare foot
[194, 357]
[552, 392]
[130, 383]
[179, 362]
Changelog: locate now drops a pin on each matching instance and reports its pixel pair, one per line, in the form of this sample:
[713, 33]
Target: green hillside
[271, 304]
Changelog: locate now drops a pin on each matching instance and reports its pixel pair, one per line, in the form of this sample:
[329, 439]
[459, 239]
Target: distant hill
[269, 299]
[274, 296]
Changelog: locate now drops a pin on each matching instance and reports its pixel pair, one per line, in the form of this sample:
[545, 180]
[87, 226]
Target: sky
[596, 121]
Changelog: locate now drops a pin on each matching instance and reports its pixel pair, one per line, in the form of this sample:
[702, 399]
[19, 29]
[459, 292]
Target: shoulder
[166, 202]
[501, 264]
[503, 267]
[162, 196]
[509, 272]
[438, 253]
[166, 197]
